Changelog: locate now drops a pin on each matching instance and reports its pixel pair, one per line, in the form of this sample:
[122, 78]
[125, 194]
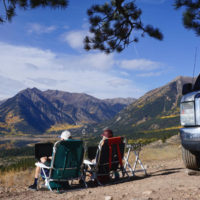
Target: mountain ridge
[36, 111]
[153, 114]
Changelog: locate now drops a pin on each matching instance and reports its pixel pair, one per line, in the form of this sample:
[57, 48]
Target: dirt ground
[167, 179]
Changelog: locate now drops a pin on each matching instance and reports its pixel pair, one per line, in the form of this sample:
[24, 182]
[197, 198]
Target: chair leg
[83, 177]
[126, 159]
[86, 186]
[47, 182]
[130, 168]
[96, 178]
[140, 162]
[124, 172]
[137, 160]
[127, 164]
[48, 185]
[99, 183]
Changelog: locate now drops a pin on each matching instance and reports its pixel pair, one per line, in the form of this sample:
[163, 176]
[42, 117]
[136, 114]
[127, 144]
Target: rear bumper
[190, 138]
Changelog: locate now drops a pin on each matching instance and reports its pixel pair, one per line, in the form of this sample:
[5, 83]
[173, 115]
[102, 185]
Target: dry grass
[164, 129]
[169, 116]
[165, 153]
[16, 179]
[61, 127]
[158, 151]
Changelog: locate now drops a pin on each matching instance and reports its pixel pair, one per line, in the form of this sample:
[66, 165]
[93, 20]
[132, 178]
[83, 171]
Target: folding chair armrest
[41, 165]
[87, 162]
[90, 164]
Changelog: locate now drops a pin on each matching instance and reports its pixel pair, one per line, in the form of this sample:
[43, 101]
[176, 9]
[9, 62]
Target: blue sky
[43, 48]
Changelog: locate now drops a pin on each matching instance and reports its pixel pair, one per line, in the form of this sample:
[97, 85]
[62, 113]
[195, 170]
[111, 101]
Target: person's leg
[37, 173]
[34, 185]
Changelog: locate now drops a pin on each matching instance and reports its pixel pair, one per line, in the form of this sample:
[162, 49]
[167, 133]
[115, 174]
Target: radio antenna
[195, 60]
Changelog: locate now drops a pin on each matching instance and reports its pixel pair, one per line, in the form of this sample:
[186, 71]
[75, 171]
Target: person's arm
[43, 159]
[98, 151]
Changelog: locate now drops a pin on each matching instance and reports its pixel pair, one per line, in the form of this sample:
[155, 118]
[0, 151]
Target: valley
[43, 115]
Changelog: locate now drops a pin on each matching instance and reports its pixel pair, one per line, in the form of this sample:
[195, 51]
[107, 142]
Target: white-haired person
[65, 135]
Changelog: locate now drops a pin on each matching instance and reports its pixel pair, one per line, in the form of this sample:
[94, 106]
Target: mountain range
[154, 115]
[33, 111]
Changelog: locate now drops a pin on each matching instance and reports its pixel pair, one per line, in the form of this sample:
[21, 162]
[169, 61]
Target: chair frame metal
[135, 148]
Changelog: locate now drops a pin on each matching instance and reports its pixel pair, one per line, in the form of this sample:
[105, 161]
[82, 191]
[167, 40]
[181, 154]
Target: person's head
[65, 135]
[107, 133]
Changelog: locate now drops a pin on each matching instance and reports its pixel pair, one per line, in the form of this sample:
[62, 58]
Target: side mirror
[187, 88]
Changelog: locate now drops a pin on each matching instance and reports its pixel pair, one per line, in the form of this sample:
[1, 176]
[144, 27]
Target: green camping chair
[66, 164]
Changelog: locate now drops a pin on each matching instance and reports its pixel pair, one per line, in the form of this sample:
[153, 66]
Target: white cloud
[124, 73]
[139, 64]
[90, 73]
[45, 81]
[40, 29]
[75, 38]
[99, 61]
[31, 66]
[118, 82]
[150, 74]
[9, 87]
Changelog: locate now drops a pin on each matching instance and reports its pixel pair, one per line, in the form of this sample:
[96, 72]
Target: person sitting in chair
[65, 135]
[107, 133]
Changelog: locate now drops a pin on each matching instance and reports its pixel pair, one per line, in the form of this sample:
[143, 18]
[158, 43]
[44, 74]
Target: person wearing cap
[107, 133]
[65, 135]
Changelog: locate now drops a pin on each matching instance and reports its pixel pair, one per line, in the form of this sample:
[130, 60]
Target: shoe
[33, 187]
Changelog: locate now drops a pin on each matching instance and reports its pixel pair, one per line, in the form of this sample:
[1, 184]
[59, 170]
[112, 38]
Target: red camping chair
[108, 160]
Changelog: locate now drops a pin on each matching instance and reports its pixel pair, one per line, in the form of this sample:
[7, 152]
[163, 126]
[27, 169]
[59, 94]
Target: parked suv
[190, 120]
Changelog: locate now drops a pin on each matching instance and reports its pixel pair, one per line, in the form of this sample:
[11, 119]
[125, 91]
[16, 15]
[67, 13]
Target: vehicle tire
[190, 159]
